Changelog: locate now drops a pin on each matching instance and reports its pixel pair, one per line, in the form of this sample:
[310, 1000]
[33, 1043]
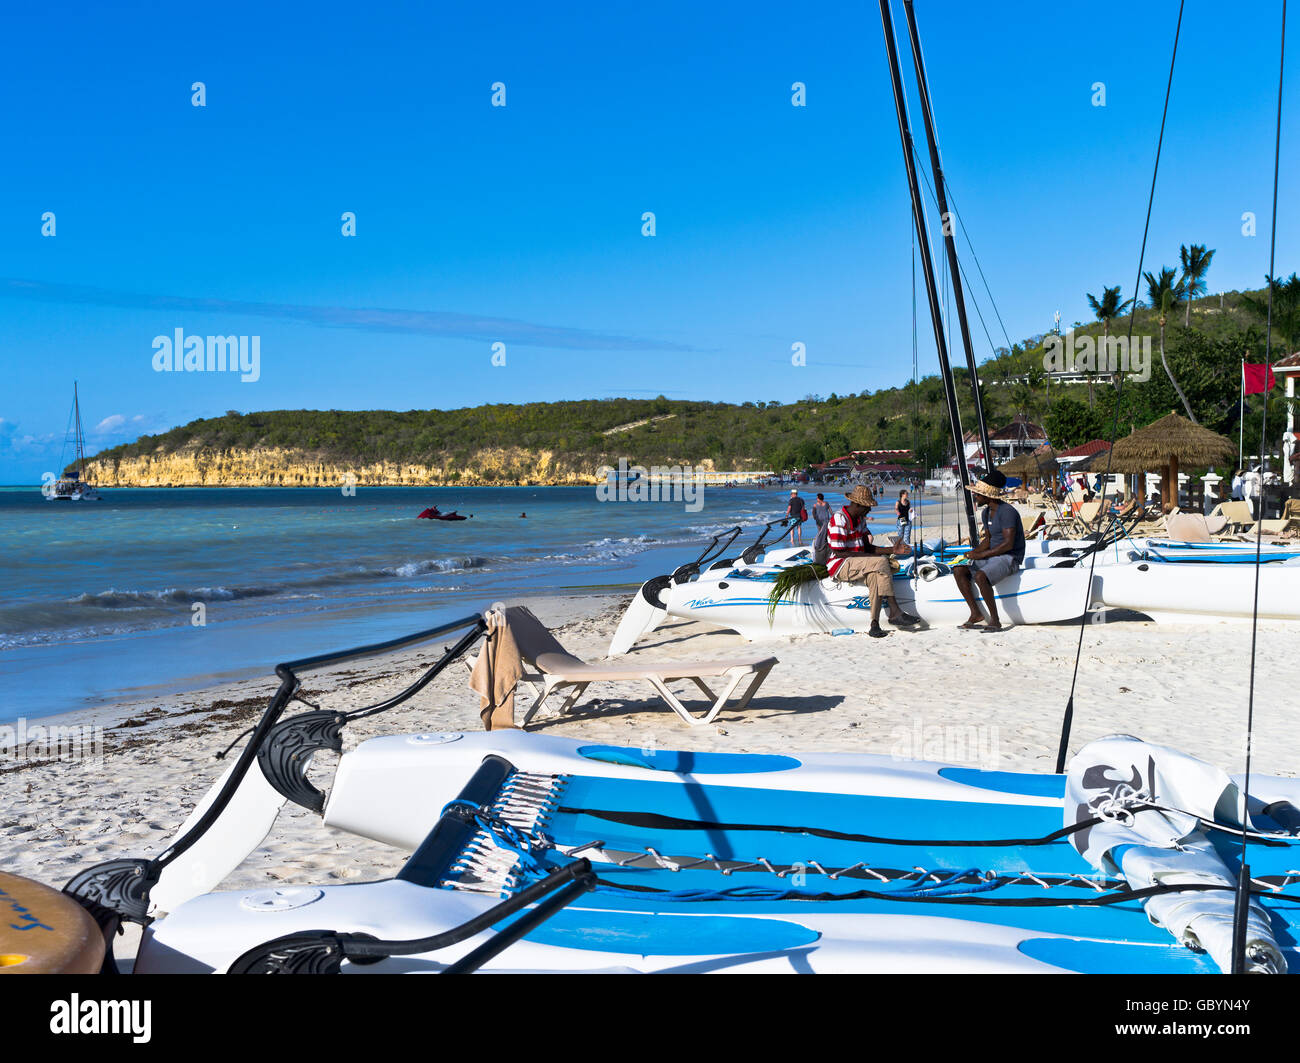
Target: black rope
[972, 877]
[1120, 896]
[656, 821]
[1239, 922]
[1068, 720]
[450, 653]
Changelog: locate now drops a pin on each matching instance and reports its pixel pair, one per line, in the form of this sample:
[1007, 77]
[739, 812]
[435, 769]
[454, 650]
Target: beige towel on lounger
[495, 674]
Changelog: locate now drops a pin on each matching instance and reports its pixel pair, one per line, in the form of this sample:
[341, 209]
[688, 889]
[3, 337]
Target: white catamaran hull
[1030, 596]
[1190, 594]
[1048, 553]
[645, 611]
[396, 790]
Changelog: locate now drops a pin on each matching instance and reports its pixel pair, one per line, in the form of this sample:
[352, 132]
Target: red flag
[1258, 378]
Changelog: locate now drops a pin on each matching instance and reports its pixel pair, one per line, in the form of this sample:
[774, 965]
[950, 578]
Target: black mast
[941, 194]
[76, 409]
[927, 266]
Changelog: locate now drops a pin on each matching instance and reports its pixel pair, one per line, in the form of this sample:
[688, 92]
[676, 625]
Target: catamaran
[537, 853]
[72, 487]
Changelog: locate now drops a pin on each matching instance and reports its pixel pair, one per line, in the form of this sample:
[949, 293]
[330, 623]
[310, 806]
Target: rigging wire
[916, 403]
[965, 276]
[1239, 928]
[952, 202]
[1119, 394]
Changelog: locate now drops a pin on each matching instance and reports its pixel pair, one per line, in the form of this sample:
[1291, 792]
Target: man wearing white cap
[797, 514]
[1000, 552]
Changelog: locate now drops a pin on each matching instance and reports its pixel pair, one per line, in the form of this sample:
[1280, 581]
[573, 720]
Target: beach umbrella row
[1038, 464]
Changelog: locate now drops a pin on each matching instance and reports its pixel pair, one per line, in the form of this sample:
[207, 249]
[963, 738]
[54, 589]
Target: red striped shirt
[845, 534]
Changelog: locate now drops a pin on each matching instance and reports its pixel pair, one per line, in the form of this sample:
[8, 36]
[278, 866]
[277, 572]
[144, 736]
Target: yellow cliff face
[283, 467]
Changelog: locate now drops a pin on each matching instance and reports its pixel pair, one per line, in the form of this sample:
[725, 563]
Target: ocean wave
[626, 540]
[610, 548]
[424, 568]
[116, 599]
[125, 600]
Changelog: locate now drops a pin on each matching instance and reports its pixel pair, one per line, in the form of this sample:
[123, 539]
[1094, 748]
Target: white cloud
[110, 424]
[13, 443]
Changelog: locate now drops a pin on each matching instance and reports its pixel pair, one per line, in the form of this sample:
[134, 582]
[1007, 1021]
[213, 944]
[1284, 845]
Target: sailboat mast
[950, 243]
[76, 409]
[927, 266]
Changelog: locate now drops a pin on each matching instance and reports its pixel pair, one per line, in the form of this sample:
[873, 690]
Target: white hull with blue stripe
[1045, 553]
[713, 862]
[740, 601]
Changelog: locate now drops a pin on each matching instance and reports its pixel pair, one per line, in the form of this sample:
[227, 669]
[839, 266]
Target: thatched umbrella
[1038, 464]
[1164, 445]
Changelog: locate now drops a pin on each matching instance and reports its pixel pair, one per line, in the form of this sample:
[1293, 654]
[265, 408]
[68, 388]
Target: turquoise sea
[102, 600]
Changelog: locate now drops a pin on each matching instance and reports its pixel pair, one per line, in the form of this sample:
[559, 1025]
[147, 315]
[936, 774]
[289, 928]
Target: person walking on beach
[854, 559]
[1238, 487]
[903, 510]
[1000, 552]
[796, 512]
[821, 511]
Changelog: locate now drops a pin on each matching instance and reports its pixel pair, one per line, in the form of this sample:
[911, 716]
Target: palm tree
[1107, 309]
[1286, 308]
[1165, 293]
[1196, 264]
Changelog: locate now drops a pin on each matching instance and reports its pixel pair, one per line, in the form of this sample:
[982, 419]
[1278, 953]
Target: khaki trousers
[873, 570]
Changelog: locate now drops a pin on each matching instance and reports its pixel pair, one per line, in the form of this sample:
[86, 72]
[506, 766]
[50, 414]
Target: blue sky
[522, 225]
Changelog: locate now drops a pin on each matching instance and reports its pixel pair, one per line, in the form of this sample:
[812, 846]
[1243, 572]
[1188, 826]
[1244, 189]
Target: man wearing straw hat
[853, 558]
[1000, 552]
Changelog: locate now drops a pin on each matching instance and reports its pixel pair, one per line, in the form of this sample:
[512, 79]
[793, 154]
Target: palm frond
[789, 580]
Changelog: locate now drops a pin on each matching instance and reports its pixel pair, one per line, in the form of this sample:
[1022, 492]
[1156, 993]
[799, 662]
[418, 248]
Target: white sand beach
[993, 701]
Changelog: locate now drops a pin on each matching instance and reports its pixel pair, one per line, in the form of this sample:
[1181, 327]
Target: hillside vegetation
[564, 441]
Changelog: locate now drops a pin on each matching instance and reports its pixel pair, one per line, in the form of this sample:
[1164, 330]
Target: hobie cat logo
[179, 353]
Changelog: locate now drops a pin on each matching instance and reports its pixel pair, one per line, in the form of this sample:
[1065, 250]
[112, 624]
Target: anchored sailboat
[74, 488]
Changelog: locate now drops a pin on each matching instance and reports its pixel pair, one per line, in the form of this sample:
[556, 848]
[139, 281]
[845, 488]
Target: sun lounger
[554, 668]
[1031, 519]
[1237, 516]
[1271, 529]
[1150, 526]
[1088, 512]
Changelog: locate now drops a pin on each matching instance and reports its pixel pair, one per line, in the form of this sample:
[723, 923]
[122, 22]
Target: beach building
[1288, 367]
[857, 463]
[1019, 436]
